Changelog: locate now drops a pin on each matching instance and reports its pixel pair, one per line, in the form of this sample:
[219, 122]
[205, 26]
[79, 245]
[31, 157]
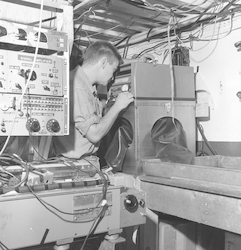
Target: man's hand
[97, 131]
[123, 100]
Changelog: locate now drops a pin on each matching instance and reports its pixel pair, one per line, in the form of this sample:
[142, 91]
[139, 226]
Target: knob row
[33, 125]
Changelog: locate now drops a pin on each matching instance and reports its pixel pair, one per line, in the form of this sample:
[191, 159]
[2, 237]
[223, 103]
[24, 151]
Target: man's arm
[97, 131]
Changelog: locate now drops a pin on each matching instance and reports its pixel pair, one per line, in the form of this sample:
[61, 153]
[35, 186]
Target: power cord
[3, 247]
[200, 128]
[17, 160]
[47, 205]
[103, 204]
[95, 223]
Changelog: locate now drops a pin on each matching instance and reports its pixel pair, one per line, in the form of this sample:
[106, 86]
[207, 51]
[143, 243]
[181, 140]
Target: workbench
[208, 194]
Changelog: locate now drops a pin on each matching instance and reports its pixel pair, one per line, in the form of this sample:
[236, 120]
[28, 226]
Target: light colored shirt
[85, 110]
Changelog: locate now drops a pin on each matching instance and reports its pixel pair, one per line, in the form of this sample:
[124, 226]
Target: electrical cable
[35, 150]
[191, 4]
[212, 38]
[43, 21]
[200, 128]
[163, 43]
[198, 20]
[29, 77]
[193, 25]
[87, 11]
[214, 48]
[126, 48]
[122, 40]
[104, 206]
[6, 172]
[24, 165]
[3, 247]
[123, 31]
[101, 203]
[209, 41]
[105, 186]
[176, 11]
[123, 23]
[95, 223]
[47, 205]
[97, 33]
[171, 75]
[84, 19]
[30, 137]
[229, 31]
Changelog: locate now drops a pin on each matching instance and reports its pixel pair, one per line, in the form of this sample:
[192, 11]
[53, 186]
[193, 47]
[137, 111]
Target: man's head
[104, 58]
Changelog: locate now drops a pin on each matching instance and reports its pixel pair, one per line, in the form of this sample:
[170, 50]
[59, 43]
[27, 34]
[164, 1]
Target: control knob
[53, 126]
[33, 76]
[33, 125]
[131, 203]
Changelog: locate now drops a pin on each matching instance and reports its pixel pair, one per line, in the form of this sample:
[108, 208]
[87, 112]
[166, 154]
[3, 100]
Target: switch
[46, 88]
[33, 76]
[20, 113]
[18, 86]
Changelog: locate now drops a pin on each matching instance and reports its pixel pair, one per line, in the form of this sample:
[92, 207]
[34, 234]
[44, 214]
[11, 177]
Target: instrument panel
[47, 78]
[33, 81]
[33, 114]
[26, 35]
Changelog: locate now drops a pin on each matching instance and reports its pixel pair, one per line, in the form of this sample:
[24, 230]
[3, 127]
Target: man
[87, 126]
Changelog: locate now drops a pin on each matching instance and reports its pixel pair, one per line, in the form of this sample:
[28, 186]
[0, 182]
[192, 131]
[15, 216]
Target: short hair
[76, 57]
[100, 49]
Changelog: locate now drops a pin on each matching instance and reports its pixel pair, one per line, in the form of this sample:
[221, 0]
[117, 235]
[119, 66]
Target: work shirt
[85, 110]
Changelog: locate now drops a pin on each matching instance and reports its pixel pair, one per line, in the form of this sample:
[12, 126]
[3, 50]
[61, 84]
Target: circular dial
[33, 125]
[53, 126]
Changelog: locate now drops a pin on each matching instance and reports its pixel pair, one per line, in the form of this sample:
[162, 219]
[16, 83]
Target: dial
[53, 126]
[33, 125]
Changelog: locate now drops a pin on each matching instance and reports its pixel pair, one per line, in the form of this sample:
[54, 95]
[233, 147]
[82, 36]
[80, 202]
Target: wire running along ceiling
[129, 22]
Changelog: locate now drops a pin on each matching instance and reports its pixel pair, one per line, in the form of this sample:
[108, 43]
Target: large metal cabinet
[142, 116]
[156, 96]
